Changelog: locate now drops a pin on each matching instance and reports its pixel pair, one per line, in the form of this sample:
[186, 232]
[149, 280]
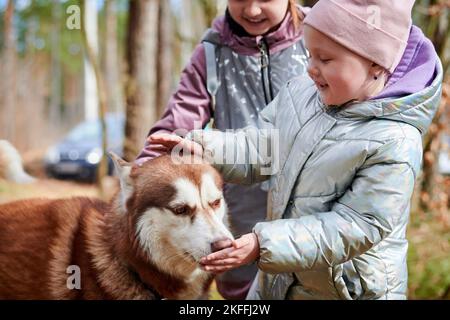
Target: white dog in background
[11, 167]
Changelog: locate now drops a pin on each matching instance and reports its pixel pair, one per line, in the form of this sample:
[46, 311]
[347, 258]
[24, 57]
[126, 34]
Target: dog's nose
[221, 244]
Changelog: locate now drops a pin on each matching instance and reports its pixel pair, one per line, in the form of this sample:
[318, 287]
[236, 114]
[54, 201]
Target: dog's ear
[123, 169]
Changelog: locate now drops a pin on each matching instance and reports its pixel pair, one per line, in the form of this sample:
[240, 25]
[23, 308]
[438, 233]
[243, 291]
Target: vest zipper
[265, 71]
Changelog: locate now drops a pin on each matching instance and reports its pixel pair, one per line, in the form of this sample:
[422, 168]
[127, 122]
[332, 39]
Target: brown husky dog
[144, 244]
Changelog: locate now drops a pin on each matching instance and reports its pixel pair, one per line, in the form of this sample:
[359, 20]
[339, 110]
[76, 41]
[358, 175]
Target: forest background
[66, 61]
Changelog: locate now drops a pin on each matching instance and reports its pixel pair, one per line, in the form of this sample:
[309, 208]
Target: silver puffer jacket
[340, 192]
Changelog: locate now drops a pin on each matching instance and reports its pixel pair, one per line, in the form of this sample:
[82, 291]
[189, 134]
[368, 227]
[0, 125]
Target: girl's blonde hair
[297, 16]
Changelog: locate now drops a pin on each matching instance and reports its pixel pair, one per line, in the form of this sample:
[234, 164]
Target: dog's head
[176, 211]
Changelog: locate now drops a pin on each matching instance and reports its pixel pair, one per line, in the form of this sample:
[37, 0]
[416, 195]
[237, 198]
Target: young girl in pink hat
[348, 148]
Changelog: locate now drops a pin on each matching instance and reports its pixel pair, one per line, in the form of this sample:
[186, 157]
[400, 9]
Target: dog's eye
[182, 210]
[215, 204]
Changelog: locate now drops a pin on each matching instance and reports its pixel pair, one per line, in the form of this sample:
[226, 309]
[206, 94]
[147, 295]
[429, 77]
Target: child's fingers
[221, 262]
[227, 256]
[221, 244]
[219, 255]
[165, 137]
[169, 140]
[159, 147]
[165, 144]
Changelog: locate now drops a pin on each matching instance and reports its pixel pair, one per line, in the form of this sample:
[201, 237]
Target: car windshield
[91, 130]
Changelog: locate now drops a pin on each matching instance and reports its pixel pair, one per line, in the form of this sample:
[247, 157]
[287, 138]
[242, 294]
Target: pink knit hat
[377, 30]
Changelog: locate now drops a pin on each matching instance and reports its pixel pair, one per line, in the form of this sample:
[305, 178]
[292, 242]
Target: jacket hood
[277, 40]
[413, 91]
[416, 69]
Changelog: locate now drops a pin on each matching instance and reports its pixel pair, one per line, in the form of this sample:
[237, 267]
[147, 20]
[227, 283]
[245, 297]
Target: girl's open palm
[242, 251]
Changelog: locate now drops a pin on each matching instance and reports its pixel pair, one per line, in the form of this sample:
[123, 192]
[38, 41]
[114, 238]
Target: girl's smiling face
[339, 74]
[258, 17]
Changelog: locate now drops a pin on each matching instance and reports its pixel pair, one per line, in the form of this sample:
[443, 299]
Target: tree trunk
[191, 27]
[111, 62]
[209, 9]
[9, 75]
[142, 40]
[165, 56]
[89, 17]
[433, 17]
[56, 87]
[92, 57]
[221, 6]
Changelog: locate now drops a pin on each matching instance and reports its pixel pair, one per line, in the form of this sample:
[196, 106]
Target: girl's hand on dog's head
[166, 142]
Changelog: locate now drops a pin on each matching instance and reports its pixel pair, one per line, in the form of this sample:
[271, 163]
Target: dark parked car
[78, 154]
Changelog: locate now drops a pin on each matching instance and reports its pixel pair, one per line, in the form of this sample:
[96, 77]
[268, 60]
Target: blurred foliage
[429, 230]
[122, 23]
[210, 10]
[433, 17]
[33, 27]
[428, 256]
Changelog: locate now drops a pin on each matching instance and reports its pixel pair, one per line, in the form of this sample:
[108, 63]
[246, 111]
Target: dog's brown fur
[40, 239]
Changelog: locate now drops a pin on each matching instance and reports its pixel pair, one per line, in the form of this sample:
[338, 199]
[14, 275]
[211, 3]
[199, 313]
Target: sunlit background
[50, 104]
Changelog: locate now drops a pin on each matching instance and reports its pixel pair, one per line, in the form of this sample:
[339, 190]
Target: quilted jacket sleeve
[371, 208]
[244, 156]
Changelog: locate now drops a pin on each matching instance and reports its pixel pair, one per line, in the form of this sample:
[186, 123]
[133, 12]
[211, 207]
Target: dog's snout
[221, 244]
